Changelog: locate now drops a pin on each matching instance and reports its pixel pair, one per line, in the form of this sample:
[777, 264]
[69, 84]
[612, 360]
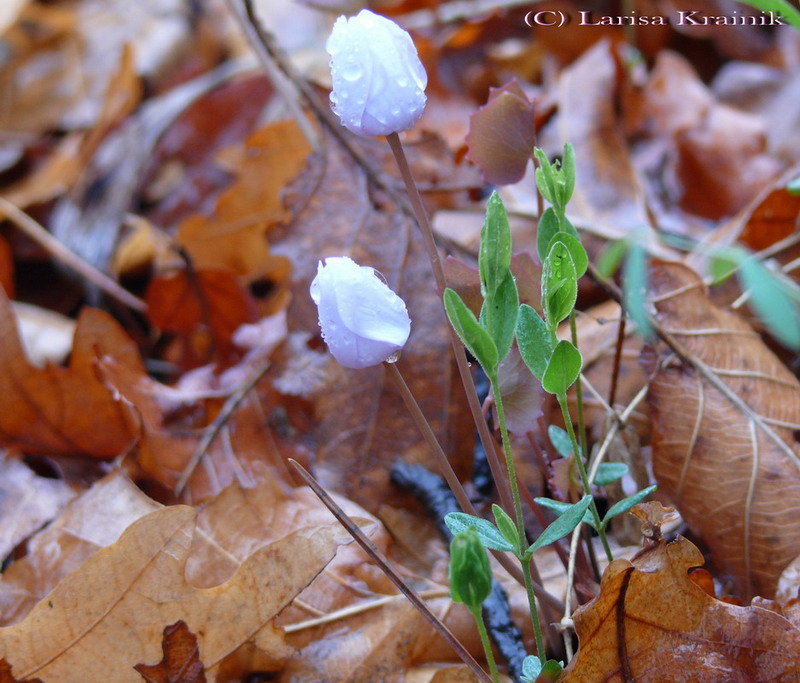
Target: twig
[612, 394]
[213, 430]
[391, 572]
[360, 608]
[421, 214]
[282, 83]
[45, 239]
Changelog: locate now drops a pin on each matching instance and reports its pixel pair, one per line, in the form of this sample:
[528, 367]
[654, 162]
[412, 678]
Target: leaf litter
[225, 377]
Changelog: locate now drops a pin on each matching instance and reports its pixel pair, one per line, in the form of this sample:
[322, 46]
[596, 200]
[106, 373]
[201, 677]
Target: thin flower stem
[573, 328]
[523, 542]
[537, 627]
[461, 361]
[391, 572]
[487, 646]
[430, 438]
[454, 483]
[562, 401]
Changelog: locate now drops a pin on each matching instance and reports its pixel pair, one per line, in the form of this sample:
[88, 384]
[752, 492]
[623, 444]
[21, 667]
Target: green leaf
[780, 7]
[611, 257]
[772, 299]
[531, 668]
[793, 186]
[568, 520]
[549, 227]
[560, 508]
[534, 340]
[567, 174]
[545, 177]
[634, 285]
[563, 369]
[626, 504]
[494, 256]
[489, 535]
[579, 257]
[560, 440]
[609, 472]
[499, 315]
[506, 525]
[559, 284]
[475, 338]
[722, 266]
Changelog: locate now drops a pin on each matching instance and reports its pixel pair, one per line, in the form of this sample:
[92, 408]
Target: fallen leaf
[140, 579]
[7, 677]
[206, 303]
[6, 268]
[45, 334]
[652, 623]
[64, 411]
[608, 193]
[90, 522]
[233, 237]
[181, 662]
[732, 470]
[27, 502]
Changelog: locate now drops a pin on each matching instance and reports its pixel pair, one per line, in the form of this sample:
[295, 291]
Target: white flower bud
[363, 321]
[378, 80]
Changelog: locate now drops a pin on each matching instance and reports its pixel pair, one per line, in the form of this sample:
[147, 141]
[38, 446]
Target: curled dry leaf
[140, 580]
[731, 468]
[652, 623]
[65, 411]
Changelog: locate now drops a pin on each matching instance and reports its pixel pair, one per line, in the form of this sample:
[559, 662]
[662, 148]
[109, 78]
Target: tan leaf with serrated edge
[729, 463]
[652, 623]
[109, 614]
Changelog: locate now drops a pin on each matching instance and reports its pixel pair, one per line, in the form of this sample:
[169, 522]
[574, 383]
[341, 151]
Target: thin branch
[391, 572]
[282, 83]
[39, 234]
[213, 430]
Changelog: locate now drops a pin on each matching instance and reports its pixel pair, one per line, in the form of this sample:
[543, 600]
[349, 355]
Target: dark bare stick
[386, 566]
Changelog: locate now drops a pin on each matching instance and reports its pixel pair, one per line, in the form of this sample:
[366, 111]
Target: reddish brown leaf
[6, 268]
[62, 411]
[7, 677]
[652, 623]
[772, 219]
[181, 662]
[732, 470]
[501, 135]
[207, 300]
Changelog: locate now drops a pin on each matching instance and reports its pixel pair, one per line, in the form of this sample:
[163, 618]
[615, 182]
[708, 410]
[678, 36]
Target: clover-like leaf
[488, 533]
[566, 522]
[534, 340]
[563, 369]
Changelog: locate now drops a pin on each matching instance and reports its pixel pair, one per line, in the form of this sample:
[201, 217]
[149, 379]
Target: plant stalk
[487, 646]
[562, 401]
[523, 543]
[461, 361]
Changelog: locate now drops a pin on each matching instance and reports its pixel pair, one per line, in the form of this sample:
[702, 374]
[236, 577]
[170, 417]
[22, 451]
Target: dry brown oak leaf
[65, 411]
[651, 623]
[729, 463]
[108, 616]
